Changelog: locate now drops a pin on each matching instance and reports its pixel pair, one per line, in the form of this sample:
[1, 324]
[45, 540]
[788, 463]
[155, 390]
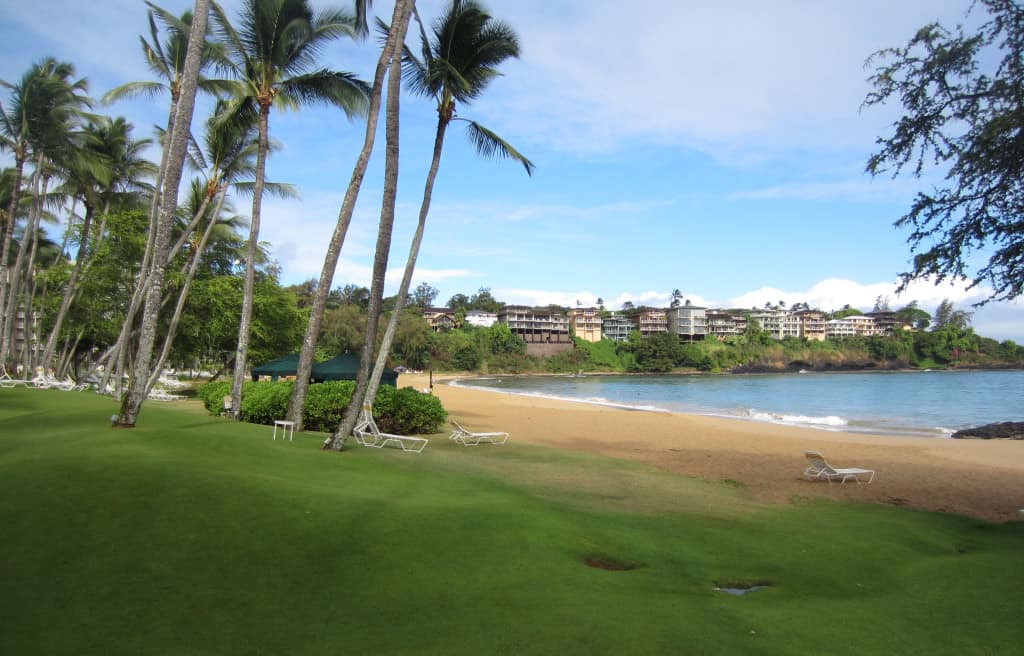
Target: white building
[481, 319]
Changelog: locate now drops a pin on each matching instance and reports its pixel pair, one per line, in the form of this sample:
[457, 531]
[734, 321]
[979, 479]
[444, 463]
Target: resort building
[688, 322]
[536, 325]
[652, 321]
[886, 323]
[481, 319]
[440, 319]
[586, 323]
[777, 322]
[617, 327]
[857, 326]
[813, 325]
[722, 323]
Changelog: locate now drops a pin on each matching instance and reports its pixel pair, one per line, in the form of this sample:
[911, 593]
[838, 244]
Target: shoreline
[979, 478]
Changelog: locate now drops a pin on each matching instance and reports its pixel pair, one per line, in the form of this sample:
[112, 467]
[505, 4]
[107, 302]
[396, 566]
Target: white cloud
[702, 74]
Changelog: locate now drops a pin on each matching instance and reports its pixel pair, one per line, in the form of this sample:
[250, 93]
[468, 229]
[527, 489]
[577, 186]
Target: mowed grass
[194, 535]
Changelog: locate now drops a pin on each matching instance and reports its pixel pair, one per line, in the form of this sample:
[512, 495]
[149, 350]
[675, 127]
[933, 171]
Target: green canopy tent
[283, 366]
[345, 367]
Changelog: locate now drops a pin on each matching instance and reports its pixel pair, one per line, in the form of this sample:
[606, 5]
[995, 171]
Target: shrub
[213, 395]
[325, 403]
[406, 411]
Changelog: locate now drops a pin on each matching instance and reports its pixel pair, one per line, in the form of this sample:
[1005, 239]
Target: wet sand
[980, 478]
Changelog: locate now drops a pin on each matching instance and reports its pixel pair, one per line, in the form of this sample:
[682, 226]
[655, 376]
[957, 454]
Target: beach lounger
[819, 469]
[367, 434]
[468, 438]
[8, 381]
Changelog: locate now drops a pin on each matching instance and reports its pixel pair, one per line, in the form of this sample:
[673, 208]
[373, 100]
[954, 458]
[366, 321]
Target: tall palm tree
[274, 48]
[457, 65]
[103, 162]
[45, 104]
[166, 59]
[176, 143]
[230, 154]
[395, 38]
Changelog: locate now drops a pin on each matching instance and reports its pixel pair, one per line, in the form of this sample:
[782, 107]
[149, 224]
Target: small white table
[287, 429]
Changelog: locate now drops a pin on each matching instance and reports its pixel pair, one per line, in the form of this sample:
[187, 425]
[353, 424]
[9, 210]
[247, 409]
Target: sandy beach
[980, 478]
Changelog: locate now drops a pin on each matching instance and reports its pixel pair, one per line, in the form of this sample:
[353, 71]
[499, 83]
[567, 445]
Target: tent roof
[283, 366]
[341, 367]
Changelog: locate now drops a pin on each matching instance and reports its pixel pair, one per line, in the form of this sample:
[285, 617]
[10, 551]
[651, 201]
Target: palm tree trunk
[410, 265]
[70, 289]
[118, 349]
[172, 329]
[132, 401]
[5, 250]
[396, 36]
[19, 271]
[242, 353]
[380, 258]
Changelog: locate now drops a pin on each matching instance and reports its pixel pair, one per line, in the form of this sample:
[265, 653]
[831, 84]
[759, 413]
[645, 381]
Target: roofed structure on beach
[283, 366]
[340, 367]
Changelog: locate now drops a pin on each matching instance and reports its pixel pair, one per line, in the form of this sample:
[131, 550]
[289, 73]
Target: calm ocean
[919, 403]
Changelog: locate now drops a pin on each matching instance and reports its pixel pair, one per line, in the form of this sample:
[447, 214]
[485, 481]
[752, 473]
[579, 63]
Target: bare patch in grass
[609, 564]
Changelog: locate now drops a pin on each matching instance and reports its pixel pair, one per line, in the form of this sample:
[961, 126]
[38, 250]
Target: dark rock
[1006, 430]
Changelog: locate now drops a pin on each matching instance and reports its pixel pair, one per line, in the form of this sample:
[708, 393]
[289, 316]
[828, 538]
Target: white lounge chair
[8, 381]
[818, 469]
[367, 434]
[160, 394]
[469, 438]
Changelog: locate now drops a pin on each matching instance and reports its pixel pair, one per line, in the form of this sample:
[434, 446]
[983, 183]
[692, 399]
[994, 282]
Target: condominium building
[722, 323]
[813, 325]
[777, 322]
[536, 325]
[688, 322]
[857, 326]
[586, 323]
[617, 327]
[652, 322]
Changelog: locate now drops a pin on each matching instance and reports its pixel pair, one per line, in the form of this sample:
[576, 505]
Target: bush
[325, 403]
[404, 412]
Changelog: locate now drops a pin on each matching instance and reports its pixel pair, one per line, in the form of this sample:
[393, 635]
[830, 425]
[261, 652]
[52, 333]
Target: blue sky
[716, 148]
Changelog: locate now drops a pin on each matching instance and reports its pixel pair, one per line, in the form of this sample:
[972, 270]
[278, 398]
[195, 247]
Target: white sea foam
[831, 421]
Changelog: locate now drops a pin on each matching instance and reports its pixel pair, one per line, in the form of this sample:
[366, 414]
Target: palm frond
[488, 144]
[343, 90]
[133, 90]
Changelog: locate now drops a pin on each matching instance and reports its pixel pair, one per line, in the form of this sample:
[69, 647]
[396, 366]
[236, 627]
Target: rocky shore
[1005, 430]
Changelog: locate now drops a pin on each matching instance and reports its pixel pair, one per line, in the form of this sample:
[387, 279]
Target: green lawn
[195, 535]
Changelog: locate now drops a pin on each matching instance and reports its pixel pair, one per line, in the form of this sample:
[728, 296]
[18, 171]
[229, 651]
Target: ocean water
[913, 403]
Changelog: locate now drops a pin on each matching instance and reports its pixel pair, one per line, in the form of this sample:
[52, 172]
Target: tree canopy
[962, 119]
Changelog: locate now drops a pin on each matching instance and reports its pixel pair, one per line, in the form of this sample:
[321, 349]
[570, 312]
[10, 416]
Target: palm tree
[273, 50]
[395, 38]
[457, 65]
[167, 61]
[176, 143]
[230, 150]
[102, 162]
[45, 103]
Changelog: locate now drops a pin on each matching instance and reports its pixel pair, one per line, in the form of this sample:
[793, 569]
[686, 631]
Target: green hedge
[402, 411]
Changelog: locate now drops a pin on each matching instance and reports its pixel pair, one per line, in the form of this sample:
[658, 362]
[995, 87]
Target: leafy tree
[915, 316]
[423, 296]
[484, 301]
[963, 115]
[458, 302]
[881, 304]
[502, 340]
